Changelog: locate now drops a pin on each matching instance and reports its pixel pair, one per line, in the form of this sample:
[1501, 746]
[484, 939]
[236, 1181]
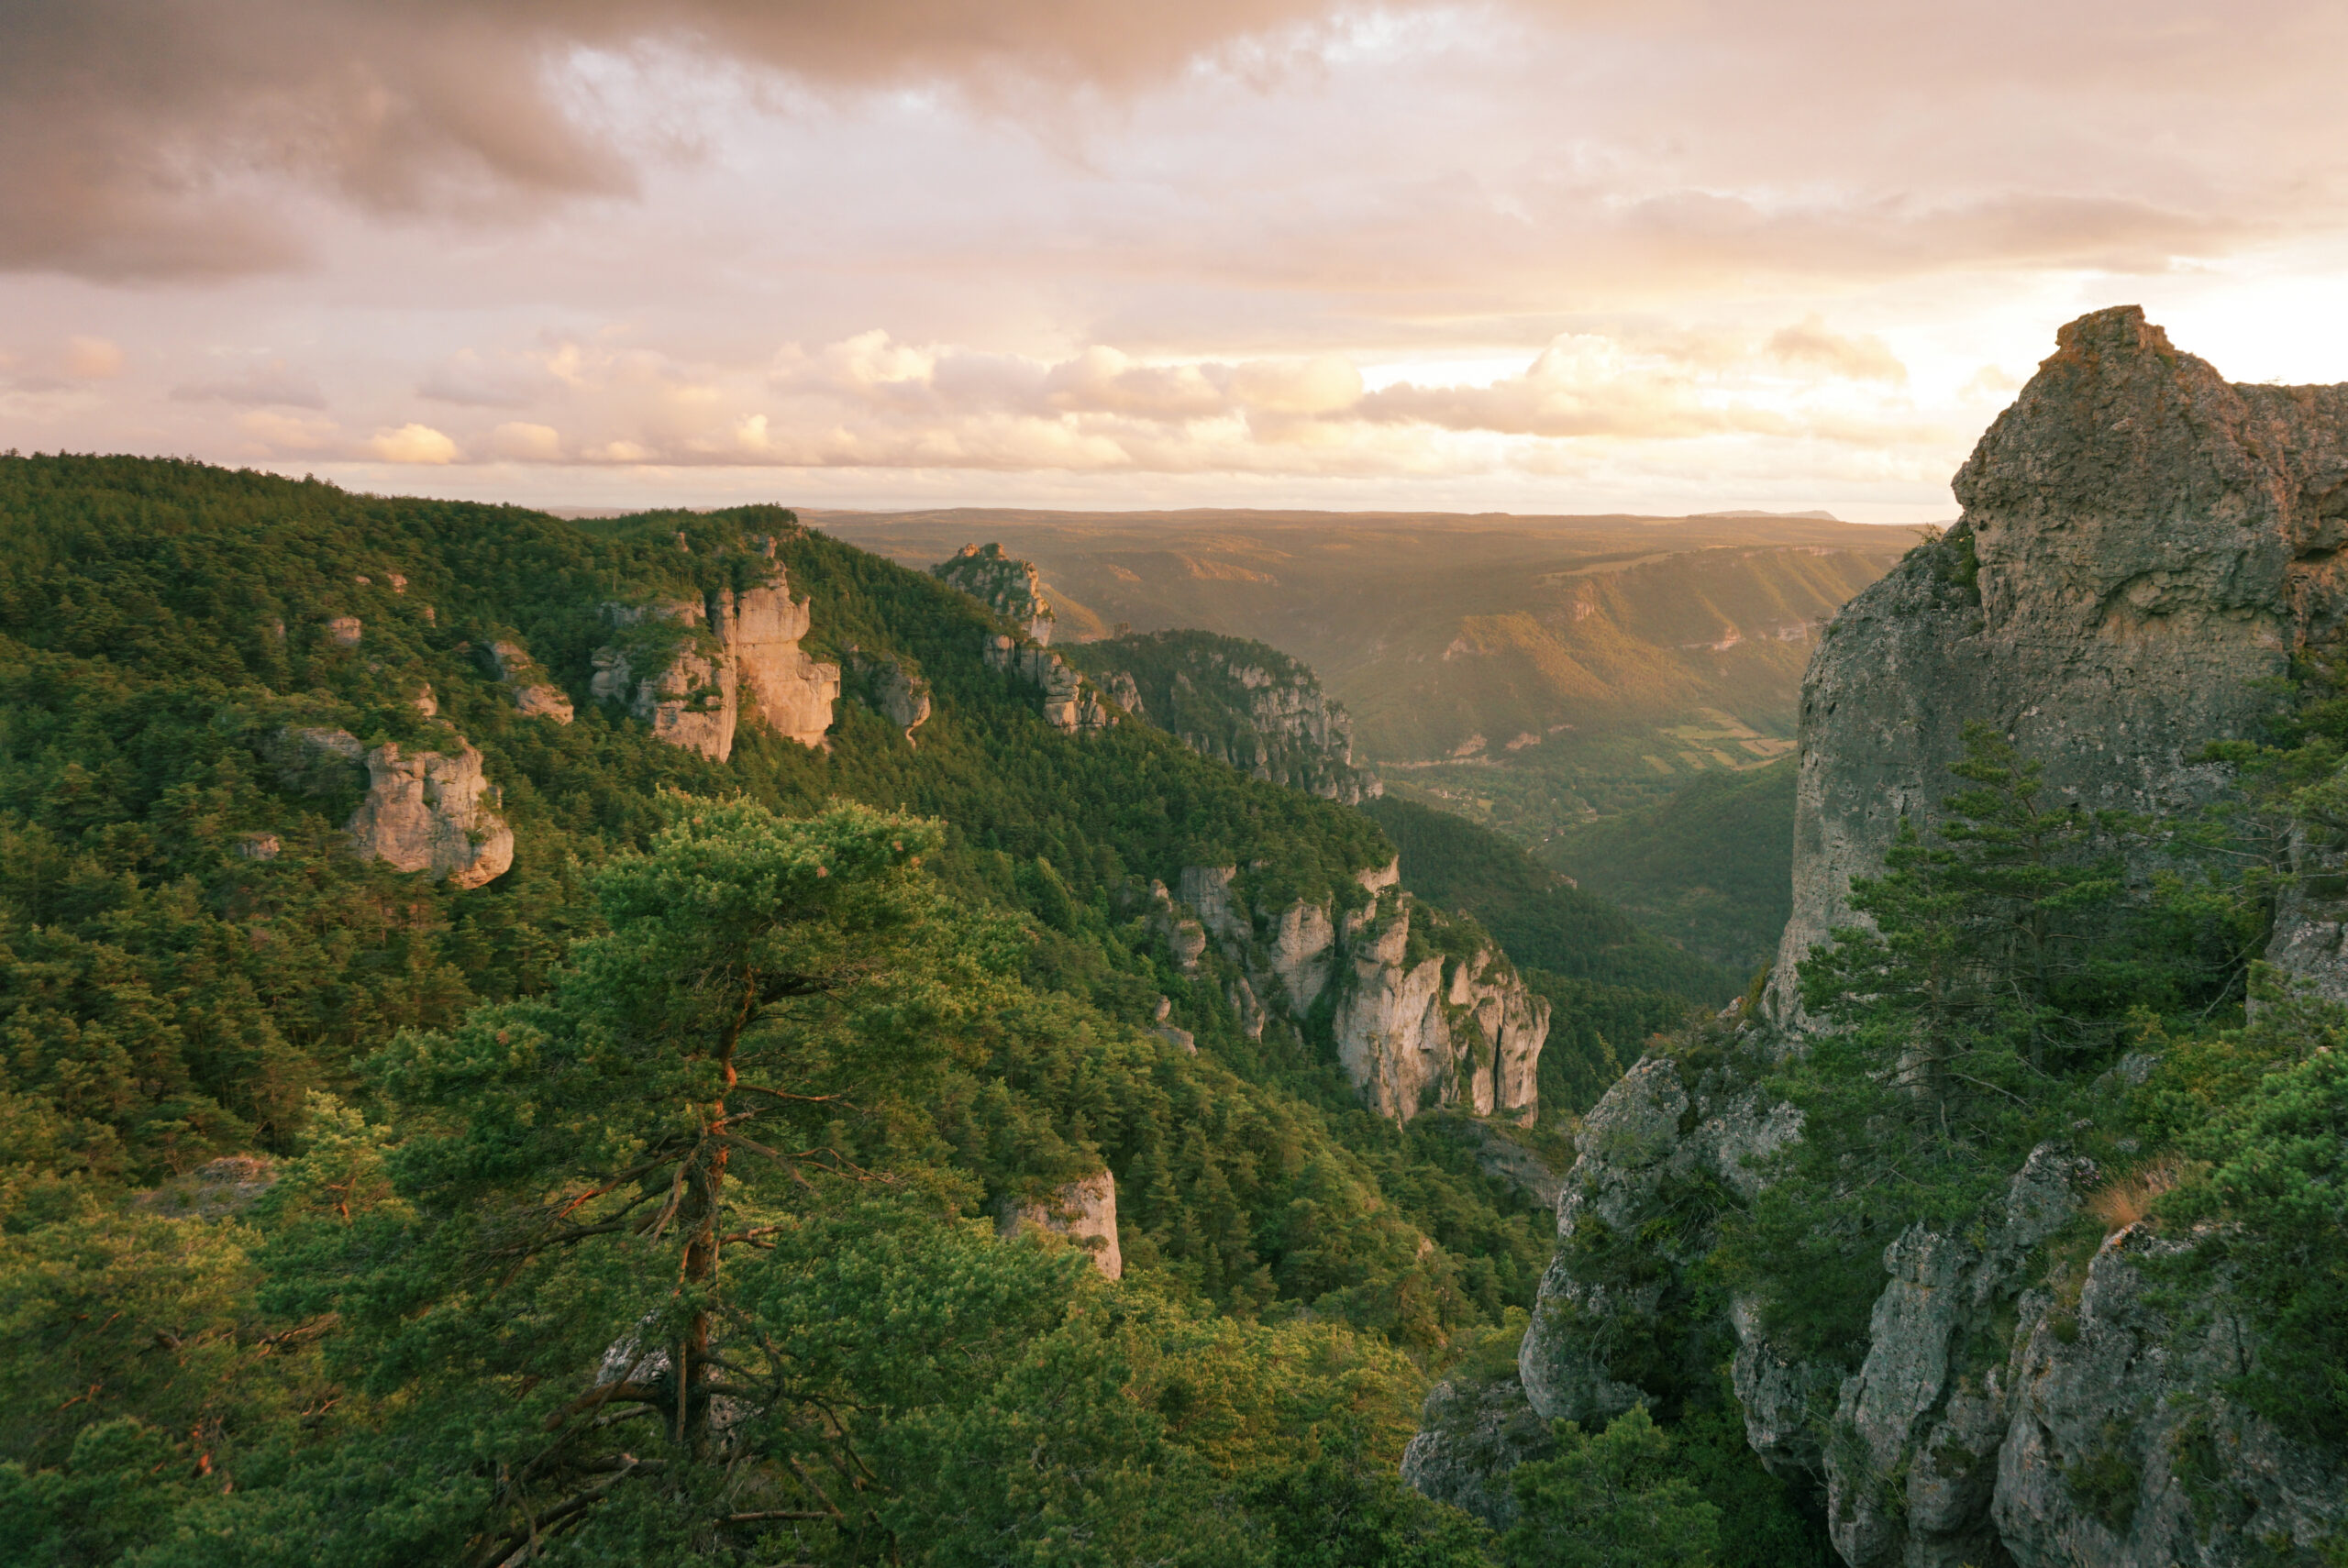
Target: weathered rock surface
[1004, 584]
[1647, 1152]
[1084, 1212]
[2123, 1450]
[1921, 1420]
[1241, 702]
[891, 689]
[1458, 1029]
[2142, 545]
[750, 656]
[1473, 1432]
[433, 810]
[534, 691]
[760, 629]
[1071, 704]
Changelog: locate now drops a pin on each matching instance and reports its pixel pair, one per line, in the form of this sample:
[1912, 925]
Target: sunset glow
[1536, 257]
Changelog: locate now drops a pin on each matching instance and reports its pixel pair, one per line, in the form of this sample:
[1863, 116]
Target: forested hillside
[1710, 866]
[641, 1199]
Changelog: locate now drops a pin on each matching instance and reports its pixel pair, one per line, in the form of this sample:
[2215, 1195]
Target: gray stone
[1004, 584]
[1472, 1435]
[2142, 547]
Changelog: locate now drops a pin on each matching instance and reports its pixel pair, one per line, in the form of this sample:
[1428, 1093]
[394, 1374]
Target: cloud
[874, 400]
[262, 385]
[1579, 385]
[526, 443]
[469, 381]
[138, 138]
[1808, 345]
[91, 360]
[289, 434]
[412, 444]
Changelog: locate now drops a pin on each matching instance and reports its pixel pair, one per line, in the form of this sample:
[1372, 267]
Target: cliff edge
[2143, 546]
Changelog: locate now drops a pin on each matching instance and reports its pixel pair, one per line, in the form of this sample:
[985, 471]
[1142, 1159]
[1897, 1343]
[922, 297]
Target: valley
[1530, 673]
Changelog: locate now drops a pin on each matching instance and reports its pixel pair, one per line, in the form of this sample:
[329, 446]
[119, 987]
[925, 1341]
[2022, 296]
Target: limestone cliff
[1070, 705]
[759, 628]
[534, 691]
[2121, 1448]
[2143, 548]
[433, 810]
[1427, 1012]
[1084, 1212]
[1008, 586]
[1655, 1159]
[738, 649]
[1241, 702]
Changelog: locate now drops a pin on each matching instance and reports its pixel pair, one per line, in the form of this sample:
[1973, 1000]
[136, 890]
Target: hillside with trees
[643, 1200]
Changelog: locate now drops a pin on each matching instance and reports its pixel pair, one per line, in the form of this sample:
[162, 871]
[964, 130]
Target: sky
[1533, 256]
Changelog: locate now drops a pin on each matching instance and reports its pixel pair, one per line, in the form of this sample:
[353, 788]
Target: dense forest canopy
[377, 1182]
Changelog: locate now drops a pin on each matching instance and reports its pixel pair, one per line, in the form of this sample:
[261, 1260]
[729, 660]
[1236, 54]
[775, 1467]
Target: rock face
[1084, 1212]
[1911, 1476]
[2120, 1451]
[1239, 701]
[433, 810]
[760, 629]
[1458, 1031]
[748, 655]
[894, 693]
[1658, 1146]
[2142, 545]
[535, 694]
[1413, 1030]
[1070, 705]
[1008, 586]
[1472, 1432]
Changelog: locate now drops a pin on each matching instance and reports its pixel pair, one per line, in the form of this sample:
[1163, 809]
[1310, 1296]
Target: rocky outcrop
[1413, 1028]
[694, 701]
[1004, 584]
[1914, 1459]
[760, 629]
[1657, 1157]
[1241, 702]
[1458, 1029]
[533, 690]
[2122, 1448]
[1071, 704]
[1084, 1212]
[433, 810]
[1473, 1431]
[2143, 548]
[891, 689]
[749, 657]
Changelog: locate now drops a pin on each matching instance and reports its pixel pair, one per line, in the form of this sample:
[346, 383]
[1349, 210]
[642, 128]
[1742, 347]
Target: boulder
[1473, 1432]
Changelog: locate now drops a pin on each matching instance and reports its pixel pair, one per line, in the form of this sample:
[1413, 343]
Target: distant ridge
[1749, 512]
